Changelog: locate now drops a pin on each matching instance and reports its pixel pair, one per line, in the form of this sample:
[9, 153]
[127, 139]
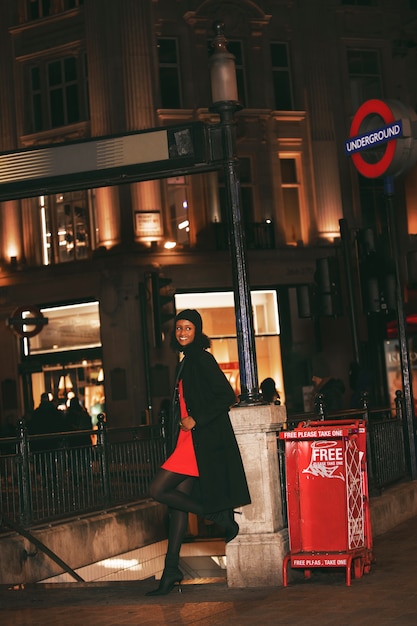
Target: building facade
[317, 237]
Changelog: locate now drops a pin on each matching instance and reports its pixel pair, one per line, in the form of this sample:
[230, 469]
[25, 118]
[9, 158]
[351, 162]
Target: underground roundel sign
[381, 139]
[27, 321]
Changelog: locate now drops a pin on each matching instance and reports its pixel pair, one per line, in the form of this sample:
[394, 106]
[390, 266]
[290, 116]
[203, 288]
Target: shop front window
[64, 359]
[219, 324]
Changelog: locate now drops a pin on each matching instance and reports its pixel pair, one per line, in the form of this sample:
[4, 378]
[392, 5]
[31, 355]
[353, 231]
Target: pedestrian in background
[269, 391]
[78, 418]
[46, 419]
[331, 388]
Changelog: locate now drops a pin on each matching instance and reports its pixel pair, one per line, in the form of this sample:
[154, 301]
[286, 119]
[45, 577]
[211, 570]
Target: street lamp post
[409, 430]
[225, 103]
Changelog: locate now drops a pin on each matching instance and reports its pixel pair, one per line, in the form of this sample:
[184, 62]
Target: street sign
[105, 161]
[27, 321]
[382, 138]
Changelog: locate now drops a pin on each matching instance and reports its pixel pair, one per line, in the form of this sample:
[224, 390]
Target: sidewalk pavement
[385, 596]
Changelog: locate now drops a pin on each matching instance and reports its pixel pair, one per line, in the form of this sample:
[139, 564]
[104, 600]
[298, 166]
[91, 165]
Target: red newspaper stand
[327, 497]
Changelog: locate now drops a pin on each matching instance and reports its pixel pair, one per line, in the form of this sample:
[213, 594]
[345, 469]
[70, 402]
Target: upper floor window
[58, 93]
[169, 73]
[292, 202]
[37, 9]
[236, 48]
[364, 75]
[281, 77]
[66, 225]
[361, 3]
[178, 225]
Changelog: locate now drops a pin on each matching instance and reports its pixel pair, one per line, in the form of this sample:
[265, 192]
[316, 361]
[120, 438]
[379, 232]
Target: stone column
[11, 244]
[138, 49]
[255, 557]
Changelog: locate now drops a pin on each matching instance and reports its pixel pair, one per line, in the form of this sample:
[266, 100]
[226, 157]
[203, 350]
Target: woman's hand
[188, 423]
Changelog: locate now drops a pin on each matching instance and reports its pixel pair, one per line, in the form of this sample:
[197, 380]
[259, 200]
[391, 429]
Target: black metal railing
[48, 477]
[386, 455]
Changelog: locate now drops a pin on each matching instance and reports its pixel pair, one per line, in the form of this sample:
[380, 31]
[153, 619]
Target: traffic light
[378, 283]
[162, 302]
[328, 296]
[305, 301]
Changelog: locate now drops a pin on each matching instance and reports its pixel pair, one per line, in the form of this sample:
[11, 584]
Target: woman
[204, 473]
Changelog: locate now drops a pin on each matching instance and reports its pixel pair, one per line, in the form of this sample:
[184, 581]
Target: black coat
[208, 396]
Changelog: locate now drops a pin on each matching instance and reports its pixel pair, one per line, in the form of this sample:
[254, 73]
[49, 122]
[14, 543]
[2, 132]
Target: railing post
[25, 500]
[319, 406]
[401, 413]
[102, 445]
[399, 405]
[365, 403]
[162, 419]
[369, 453]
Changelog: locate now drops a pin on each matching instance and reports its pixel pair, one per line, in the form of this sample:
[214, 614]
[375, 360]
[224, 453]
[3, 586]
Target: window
[236, 48]
[365, 75]
[179, 226]
[372, 203]
[70, 327]
[281, 77]
[58, 93]
[44, 8]
[72, 4]
[291, 196]
[219, 322]
[361, 3]
[169, 73]
[66, 227]
[39, 8]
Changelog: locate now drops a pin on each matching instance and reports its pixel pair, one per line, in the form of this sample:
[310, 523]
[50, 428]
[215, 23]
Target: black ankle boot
[170, 577]
[227, 520]
[232, 527]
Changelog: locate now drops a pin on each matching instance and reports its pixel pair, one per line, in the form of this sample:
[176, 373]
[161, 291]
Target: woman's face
[184, 332]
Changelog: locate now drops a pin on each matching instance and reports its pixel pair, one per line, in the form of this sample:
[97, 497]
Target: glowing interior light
[185, 204]
[169, 245]
[183, 224]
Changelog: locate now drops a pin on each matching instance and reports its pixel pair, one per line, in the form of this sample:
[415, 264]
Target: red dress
[182, 460]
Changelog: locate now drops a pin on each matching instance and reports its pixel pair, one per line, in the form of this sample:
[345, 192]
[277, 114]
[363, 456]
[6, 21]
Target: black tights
[174, 490]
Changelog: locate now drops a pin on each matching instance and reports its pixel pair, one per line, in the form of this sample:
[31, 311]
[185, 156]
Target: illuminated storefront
[65, 358]
[219, 323]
